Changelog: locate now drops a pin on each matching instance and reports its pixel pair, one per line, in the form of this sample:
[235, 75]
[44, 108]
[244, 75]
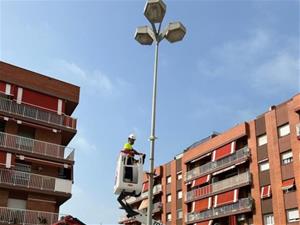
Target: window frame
[262, 164]
[266, 219]
[169, 198]
[287, 215]
[179, 194]
[169, 179]
[284, 130]
[286, 160]
[262, 140]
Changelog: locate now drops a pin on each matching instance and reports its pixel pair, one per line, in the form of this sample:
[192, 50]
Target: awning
[224, 170]
[226, 198]
[144, 204]
[201, 157]
[201, 205]
[288, 184]
[223, 151]
[201, 180]
[209, 222]
[265, 192]
[145, 186]
[2, 87]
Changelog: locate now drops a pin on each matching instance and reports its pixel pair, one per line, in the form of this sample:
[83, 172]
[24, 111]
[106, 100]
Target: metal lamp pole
[155, 11]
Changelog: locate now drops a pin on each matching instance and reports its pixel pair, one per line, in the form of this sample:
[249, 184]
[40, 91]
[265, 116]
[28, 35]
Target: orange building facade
[36, 166]
[250, 174]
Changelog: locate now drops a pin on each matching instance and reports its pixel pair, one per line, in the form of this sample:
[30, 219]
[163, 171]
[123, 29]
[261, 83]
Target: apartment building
[249, 174]
[36, 166]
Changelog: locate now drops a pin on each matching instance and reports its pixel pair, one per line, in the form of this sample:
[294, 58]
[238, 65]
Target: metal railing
[157, 207]
[32, 181]
[27, 217]
[32, 112]
[242, 205]
[213, 166]
[34, 146]
[156, 189]
[244, 178]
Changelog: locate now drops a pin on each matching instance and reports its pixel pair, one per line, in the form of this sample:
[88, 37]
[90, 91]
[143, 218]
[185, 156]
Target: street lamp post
[155, 11]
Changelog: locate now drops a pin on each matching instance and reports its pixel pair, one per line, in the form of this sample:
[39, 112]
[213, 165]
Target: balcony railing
[32, 112]
[34, 181]
[27, 217]
[243, 205]
[157, 207]
[211, 167]
[238, 180]
[156, 189]
[24, 144]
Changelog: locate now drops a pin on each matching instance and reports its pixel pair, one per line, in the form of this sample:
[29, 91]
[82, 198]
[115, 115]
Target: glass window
[179, 195]
[269, 219]
[179, 214]
[284, 130]
[179, 176]
[262, 140]
[287, 157]
[169, 179]
[169, 198]
[264, 166]
[292, 215]
[169, 216]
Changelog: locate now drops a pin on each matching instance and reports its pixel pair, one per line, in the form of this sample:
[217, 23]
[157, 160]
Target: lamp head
[155, 11]
[144, 35]
[175, 32]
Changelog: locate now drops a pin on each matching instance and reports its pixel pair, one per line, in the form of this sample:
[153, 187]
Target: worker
[128, 149]
[128, 175]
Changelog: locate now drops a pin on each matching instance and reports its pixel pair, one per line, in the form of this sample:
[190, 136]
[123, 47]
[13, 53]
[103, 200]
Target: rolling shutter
[226, 198]
[223, 151]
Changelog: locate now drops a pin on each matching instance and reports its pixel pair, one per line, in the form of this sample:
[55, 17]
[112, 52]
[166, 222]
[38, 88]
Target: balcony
[34, 181]
[242, 206]
[26, 217]
[157, 207]
[156, 190]
[38, 114]
[218, 187]
[240, 155]
[28, 145]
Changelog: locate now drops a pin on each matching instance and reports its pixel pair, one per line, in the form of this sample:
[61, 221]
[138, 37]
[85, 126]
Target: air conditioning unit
[241, 217]
[298, 131]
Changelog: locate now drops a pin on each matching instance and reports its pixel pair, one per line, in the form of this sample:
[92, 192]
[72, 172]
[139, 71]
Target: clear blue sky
[238, 58]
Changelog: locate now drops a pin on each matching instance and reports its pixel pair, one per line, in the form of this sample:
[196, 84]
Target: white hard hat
[132, 136]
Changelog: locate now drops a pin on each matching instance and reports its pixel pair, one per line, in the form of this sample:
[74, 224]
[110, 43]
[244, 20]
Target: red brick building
[250, 174]
[36, 166]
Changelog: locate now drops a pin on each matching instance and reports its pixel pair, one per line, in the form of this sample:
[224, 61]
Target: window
[169, 179]
[284, 130]
[287, 157]
[179, 214]
[179, 195]
[292, 215]
[179, 176]
[169, 216]
[269, 219]
[262, 140]
[169, 198]
[264, 166]
[265, 192]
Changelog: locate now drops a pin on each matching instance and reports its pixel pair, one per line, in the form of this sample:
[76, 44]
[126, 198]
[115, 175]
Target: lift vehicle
[125, 187]
[69, 220]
